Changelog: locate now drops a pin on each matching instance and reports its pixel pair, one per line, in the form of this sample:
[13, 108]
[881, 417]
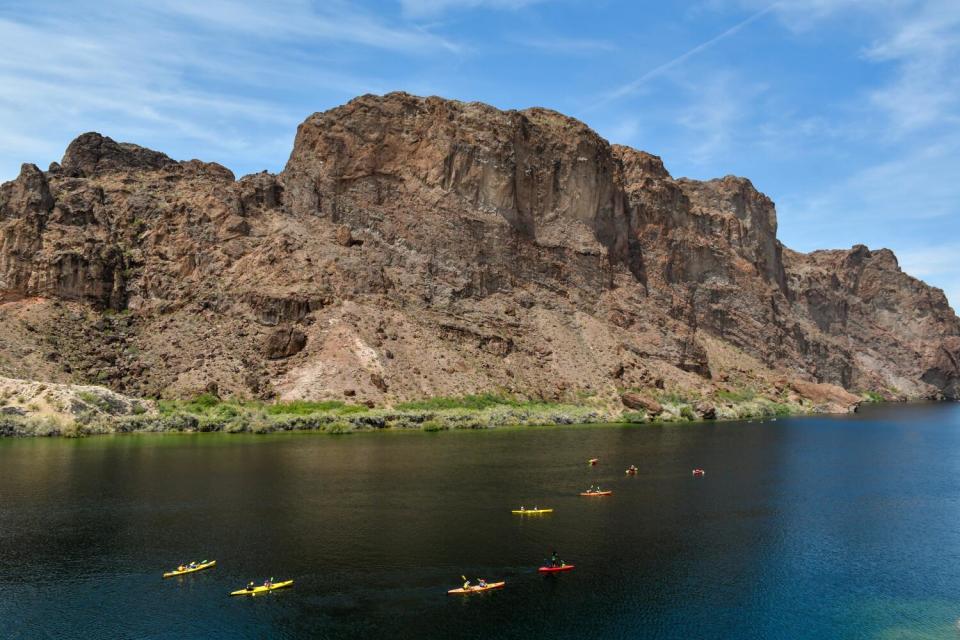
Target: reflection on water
[802, 528]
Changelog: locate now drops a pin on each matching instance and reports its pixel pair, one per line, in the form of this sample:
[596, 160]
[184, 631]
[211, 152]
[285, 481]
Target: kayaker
[251, 586]
[181, 568]
[555, 559]
[268, 583]
[466, 585]
[482, 583]
[193, 565]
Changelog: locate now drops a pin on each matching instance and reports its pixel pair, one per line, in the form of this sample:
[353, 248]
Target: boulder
[828, 398]
[638, 402]
[706, 410]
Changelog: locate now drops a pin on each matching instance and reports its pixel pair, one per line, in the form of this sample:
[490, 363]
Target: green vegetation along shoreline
[207, 413]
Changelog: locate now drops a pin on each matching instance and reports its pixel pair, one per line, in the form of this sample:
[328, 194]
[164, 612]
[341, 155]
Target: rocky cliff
[418, 247]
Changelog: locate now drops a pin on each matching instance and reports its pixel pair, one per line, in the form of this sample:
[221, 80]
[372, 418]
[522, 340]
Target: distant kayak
[200, 567]
[563, 567]
[531, 512]
[593, 461]
[596, 493]
[476, 589]
[262, 589]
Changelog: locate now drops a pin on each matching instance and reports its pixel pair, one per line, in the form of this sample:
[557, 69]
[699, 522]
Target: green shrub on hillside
[475, 402]
[740, 395]
[303, 407]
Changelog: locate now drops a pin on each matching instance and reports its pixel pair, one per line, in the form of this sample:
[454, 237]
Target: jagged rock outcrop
[419, 246]
[92, 154]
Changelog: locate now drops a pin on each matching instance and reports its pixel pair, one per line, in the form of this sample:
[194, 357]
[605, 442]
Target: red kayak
[563, 567]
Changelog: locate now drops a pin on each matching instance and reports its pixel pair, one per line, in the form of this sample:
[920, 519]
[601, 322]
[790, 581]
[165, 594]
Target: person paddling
[251, 586]
[555, 559]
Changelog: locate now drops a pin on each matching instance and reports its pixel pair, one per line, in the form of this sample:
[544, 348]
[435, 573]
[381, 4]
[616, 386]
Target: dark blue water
[801, 528]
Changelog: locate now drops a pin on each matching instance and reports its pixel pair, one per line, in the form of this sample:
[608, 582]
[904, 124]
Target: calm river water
[842, 527]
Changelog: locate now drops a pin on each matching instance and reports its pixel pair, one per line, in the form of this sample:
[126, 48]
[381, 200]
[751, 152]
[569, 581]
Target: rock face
[418, 246]
[64, 404]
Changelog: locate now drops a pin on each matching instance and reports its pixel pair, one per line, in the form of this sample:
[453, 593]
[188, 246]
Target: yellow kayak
[476, 589]
[200, 567]
[531, 512]
[261, 589]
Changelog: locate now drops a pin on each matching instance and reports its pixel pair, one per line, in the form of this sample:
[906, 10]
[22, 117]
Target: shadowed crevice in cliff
[568, 267]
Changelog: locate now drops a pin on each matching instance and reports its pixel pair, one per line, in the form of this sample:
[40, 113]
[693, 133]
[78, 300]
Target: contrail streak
[630, 87]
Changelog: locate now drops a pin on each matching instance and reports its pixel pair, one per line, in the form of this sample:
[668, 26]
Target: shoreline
[205, 415]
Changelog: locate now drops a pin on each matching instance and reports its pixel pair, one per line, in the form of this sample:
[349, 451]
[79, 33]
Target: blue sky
[845, 112]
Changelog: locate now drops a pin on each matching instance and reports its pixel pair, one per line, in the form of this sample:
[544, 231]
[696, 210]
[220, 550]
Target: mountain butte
[417, 247]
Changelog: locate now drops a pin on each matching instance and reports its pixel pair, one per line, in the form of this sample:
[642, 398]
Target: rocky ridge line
[417, 247]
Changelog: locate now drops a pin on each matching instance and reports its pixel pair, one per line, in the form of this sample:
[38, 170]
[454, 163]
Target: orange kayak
[476, 588]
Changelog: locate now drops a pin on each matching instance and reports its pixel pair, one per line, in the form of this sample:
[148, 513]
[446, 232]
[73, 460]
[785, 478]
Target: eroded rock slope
[417, 247]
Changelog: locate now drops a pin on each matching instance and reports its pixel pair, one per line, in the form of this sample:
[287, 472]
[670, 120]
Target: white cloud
[566, 46]
[803, 15]
[332, 20]
[430, 8]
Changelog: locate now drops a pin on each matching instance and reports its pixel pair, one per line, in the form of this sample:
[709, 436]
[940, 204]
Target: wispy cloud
[716, 114]
[431, 8]
[332, 20]
[919, 186]
[938, 263]
[625, 131]
[565, 45]
[925, 49]
[803, 15]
